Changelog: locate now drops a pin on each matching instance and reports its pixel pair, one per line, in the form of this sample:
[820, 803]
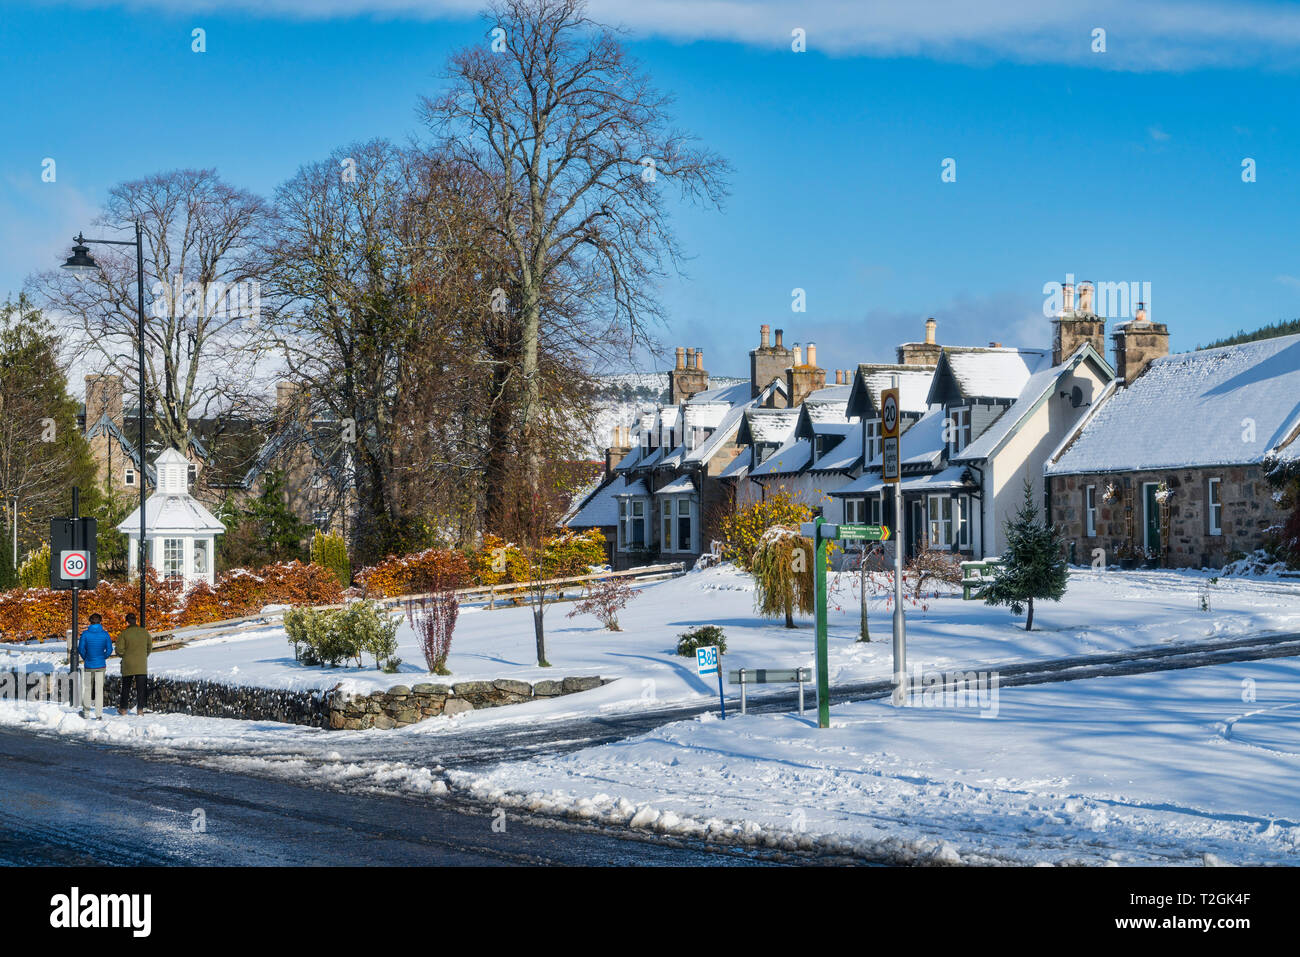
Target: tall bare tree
[202, 336]
[577, 153]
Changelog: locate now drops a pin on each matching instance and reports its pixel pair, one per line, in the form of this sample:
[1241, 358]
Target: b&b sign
[706, 660]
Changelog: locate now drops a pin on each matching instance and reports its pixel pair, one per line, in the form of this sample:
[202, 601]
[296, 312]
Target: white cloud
[1153, 35]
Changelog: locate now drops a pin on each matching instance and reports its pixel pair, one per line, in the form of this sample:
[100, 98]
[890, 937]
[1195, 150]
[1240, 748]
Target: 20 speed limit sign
[74, 566]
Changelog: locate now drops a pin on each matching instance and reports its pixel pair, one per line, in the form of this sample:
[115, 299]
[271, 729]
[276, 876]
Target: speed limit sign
[75, 566]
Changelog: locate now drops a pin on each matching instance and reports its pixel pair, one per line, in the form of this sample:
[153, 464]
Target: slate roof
[1235, 405]
[992, 373]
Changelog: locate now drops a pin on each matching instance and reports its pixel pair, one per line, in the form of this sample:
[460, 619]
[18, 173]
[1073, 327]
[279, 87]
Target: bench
[767, 676]
[977, 575]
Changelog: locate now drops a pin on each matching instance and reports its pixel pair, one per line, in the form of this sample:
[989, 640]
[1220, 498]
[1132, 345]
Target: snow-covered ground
[1170, 767]
[1102, 611]
[1154, 768]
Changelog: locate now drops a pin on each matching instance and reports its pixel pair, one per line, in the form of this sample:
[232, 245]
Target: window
[1090, 510]
[762, 450]
[201, 556]
[872, 439]
[940, 513]
[963, 522]
[958, 427]
[128, 477]
[1215, 510]
[875, 511]
[684, 523]
[854, 511]
[173, 557]
[666, 543]
[632, 519]
[192, 472]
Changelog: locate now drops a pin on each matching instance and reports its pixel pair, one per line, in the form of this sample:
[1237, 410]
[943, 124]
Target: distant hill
[1267, 332]
[645, 386]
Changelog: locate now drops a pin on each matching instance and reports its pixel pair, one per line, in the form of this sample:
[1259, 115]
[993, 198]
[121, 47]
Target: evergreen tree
[331, 552]
[8, 573]
[1033, 565]
[262, 530]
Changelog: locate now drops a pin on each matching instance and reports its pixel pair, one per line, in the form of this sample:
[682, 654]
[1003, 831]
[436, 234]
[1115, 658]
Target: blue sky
[1115, 166]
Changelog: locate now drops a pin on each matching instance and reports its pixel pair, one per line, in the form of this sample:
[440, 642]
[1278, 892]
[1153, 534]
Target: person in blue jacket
[95, 647]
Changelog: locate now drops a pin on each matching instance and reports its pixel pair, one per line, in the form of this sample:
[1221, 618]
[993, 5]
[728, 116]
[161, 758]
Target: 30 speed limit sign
[75, 566]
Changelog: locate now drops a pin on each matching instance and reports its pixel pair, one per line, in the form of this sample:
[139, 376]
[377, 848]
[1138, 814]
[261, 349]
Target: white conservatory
[180, 532]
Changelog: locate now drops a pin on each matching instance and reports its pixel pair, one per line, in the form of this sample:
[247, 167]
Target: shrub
[743, 529]
[701, 637]
[605, 599]
[371, 630]
[320, 636]
[34, 572]
[415, 574]
[329, 551]
[433, 617]
[783, 573]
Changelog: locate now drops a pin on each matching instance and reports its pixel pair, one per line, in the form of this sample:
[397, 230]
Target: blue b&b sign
[706, 660]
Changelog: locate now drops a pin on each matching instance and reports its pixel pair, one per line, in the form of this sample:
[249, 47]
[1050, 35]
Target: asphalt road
[69, 803]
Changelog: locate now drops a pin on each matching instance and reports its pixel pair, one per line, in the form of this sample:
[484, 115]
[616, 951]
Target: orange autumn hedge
[495, 562]
[42, 612]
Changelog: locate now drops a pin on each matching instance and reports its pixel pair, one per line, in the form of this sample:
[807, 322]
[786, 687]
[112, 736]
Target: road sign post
[823, 662]
[73, 564]
[707, 663]
[891, 473]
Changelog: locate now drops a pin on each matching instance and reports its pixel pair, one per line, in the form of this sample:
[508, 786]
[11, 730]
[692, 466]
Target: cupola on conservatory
[180, 532]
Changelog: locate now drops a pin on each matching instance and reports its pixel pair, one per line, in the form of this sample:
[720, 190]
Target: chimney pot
[812, 353]
[764, 335]
[681, 358]
[1067, 294]
[995, 345]
[798, 355]
[779, 334]
[1085, 298]
[929, 331]
[699, 359]
[1141, 313]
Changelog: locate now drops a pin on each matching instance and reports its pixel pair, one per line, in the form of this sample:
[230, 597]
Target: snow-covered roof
[950, 479]
[847, 454]
[1235, 405]
[720, 436]
[872, 378]
[706, 415]
[629, 461]
[633, 488]
[1037, 388]
[992, 373]
[923, 443]
[739, 466]
[790, 458]
[678, 485]
[769, 425]
[727, 394]
[164, 512]
[600, 510]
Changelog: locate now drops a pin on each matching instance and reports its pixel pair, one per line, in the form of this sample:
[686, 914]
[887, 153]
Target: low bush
[701, 637]
[330, 636]
[605, 599]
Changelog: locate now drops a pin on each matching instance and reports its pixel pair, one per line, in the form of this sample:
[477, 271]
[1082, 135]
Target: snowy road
[66, 803]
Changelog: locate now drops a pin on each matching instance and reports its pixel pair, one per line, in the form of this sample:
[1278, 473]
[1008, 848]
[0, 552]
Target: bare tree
[202, 335]
[575, 148]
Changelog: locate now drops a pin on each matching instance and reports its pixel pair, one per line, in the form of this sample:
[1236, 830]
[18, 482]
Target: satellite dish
[1076, 397]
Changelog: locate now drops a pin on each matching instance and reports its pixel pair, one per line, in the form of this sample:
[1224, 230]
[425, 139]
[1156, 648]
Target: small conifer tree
[1033, 564]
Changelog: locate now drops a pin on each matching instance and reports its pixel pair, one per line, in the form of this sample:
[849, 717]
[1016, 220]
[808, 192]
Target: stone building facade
[1212, 515]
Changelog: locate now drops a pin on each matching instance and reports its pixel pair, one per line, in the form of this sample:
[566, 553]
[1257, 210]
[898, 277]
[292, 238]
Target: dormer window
[873, 438]
[192, 472]
[959, 430]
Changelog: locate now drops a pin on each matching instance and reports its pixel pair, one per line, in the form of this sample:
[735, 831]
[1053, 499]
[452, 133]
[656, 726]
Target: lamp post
[82, 264]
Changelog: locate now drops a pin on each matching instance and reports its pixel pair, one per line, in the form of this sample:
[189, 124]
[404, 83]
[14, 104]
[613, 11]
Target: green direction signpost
[821, 532]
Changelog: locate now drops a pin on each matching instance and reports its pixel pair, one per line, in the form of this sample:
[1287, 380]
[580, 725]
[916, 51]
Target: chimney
[779, 334]
[995, 345]
[804, 377]
[798, 355]
[839, 376]
[922, 353]
[689, 378]
[103, 397]
[764, 336]
[767, 364]
[1138, 344]
[1073, 327]
[1085, 298]
[618, 450]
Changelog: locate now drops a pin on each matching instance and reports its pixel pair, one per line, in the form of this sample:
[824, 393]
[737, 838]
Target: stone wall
[1248, 512]
[403, 705]
[397, 707]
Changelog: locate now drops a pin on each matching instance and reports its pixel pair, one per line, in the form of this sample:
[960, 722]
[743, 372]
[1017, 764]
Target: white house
[179, 531]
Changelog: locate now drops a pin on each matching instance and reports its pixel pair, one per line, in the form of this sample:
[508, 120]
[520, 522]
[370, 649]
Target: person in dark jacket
[134, 645]
[95, 647]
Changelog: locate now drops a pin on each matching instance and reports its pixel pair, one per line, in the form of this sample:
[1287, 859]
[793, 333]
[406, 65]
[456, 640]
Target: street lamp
[81, 264]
